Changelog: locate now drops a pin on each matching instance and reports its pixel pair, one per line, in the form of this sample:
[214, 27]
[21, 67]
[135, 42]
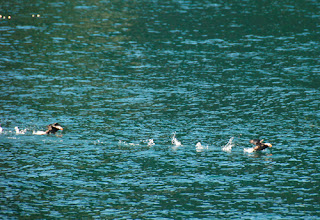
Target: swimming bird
[1, 129]
[52, 129]
[259, 145]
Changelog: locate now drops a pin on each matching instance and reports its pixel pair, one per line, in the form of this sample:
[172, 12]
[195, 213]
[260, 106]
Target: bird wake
[175, 141]
[228, 146]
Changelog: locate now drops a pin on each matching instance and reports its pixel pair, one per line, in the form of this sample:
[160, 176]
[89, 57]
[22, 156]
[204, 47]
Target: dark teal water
[116, 74]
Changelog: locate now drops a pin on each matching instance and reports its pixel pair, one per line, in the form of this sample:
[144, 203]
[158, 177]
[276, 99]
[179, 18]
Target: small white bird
[1, 129]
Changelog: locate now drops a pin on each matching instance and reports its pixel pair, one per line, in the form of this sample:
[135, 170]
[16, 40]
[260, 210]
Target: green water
[118, 74]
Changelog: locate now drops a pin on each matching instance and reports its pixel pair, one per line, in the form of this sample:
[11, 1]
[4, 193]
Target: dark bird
[52, 129]
[259, 145]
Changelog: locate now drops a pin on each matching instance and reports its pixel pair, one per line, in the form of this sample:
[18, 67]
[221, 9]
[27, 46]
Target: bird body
[259, 145]
[52, 129]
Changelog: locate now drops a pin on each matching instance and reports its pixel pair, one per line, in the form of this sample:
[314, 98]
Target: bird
[259, 145]
[52, 129]
[1, 129]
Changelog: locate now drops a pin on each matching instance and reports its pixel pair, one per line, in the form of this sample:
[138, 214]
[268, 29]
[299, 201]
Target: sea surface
[158, 101]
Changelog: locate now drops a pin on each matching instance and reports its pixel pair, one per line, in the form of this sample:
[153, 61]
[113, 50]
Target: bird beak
[59, 127]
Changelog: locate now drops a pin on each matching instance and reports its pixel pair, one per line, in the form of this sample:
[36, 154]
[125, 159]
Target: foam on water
[124, 143]
[149, 143]
[9, 131]
[39, 132]
[248, 150]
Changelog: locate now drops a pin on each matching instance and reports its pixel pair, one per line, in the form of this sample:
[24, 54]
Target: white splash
[97, 142]
[150, 142]
[39, 132]
[248, 150]
[121, 142]
[175, 141]
[228, 146]
[124, 143]
[200, 147]
[18, 131]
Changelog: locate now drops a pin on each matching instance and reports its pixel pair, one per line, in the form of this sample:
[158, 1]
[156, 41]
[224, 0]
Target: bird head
[57, 126]
[268, 144]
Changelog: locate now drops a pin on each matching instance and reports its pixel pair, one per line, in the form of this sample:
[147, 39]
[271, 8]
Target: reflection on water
[121, 77]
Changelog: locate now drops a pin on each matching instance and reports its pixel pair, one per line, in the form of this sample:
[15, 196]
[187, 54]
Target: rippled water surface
[149, 93]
